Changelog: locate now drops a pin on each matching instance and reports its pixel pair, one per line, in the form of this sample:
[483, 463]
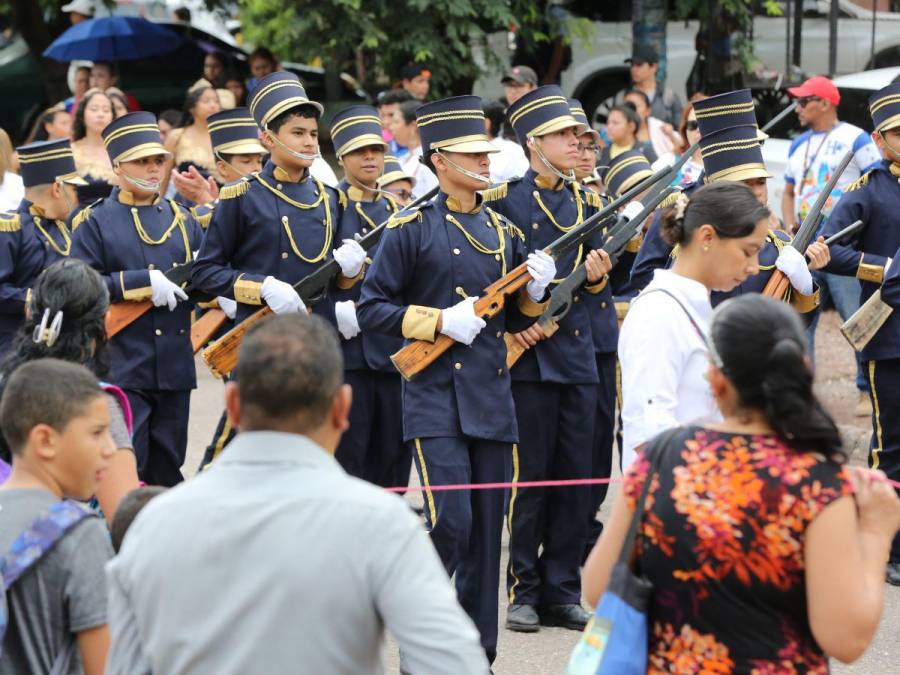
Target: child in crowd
[55, 417]
[128, 510]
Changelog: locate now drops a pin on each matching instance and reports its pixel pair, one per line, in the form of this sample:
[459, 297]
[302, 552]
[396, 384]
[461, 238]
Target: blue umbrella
[113, 38]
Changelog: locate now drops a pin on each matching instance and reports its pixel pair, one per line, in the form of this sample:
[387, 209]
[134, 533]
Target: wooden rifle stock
[419, 354]
[120, 315]
[514, 350]
[222, 355]
[205, 327]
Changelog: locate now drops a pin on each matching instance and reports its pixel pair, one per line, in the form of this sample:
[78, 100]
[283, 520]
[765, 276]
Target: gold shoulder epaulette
[233, 190]
[401, 219]
[505, 223]
[669, 201]
[593, 199]
[203, 218]
[858, 183]
[495, 193]
[9, 222]
[80, 217]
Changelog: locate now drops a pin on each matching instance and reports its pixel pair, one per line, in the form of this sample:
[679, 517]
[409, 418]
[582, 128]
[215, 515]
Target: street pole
[832, 37]
[787, 39]
[872, 48]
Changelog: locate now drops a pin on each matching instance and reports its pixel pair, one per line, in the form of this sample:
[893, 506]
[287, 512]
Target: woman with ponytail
[662, 347]
[66, 320]
[764, 551]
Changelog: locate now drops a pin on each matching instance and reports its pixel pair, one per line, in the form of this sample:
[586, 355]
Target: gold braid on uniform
[508, 225]
[499, 252]
[593, 199]
[63, 250]
[235, 189]
[362, 214]
[398, 220]
[859, 182]
[578, 220]
[204, 219]
[495, 193]
[329, 230]
[778, 244]
[177, 221]
[669, 201]
[10, 223]
[80, 217]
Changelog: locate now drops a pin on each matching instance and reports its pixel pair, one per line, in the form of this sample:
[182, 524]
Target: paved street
[548, 650]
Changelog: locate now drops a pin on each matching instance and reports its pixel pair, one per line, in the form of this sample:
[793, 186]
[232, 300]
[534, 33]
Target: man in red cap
[812, 158]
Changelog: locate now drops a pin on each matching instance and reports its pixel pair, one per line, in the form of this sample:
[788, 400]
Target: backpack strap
[40, 537]
[123, 403]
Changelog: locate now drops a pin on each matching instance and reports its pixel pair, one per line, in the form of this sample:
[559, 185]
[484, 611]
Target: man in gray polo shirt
[274, 560]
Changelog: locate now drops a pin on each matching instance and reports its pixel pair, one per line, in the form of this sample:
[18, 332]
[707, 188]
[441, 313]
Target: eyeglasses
[401, 193]
[593, 147]
[806, 100]
[692, 125]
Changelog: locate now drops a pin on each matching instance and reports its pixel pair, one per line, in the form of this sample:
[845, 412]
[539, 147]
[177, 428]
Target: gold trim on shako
[351, 121]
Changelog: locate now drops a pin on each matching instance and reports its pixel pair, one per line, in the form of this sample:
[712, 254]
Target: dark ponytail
[760, 346]
[730, 208]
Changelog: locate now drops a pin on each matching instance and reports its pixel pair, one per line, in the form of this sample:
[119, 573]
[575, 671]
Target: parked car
[157, 83]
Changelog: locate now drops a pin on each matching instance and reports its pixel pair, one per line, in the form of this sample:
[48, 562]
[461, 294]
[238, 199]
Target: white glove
[460, 321]
[228, 306]
[542, 269]
[350, 256]
[794, 265]
[345, 313]
[165, 292]
[281, 297]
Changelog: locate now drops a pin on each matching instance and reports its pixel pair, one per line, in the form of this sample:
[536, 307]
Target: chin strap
[465, 172]
[291, 152]
[140, 183]
[568, 178]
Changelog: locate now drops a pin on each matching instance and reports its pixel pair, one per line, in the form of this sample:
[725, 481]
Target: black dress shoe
[522, 619]
[893, 573]
[573, 617]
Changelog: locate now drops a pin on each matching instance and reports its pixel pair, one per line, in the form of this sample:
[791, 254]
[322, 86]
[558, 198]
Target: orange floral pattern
[722, 541]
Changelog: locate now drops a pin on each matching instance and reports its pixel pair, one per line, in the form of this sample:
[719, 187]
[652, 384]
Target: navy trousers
[221, 437]
[548, 526]
[884, 448]
[160, 433]
[602, 448]
[466, 525]
[373, 448]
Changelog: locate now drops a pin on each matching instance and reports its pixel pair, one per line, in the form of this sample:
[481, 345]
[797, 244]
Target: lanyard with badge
[808, 167]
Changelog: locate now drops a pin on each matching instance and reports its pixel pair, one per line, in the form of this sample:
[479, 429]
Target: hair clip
[681, 205]
[48, 335]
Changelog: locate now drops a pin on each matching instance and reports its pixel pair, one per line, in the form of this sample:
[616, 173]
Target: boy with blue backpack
[55, 417]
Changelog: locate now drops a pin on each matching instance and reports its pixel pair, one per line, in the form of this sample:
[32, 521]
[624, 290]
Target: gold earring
[706, 249]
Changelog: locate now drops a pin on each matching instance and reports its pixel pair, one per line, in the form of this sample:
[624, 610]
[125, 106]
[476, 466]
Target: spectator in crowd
[52, 124]
[812, 159]
[119, 101]
[644, 70]
[214, 68]
[388, 103]
[55, 418]
[94, 113]
[71, 287]
[622, 124]
[518, 82]
[415, 78]
[104, 76]
[168, 119]
[769, 569]
[689, 133]
[190, 144]
[12, 189]
[79, 81]
[406, 133]
[660, 135]
[262, 62]
[78, 11]
[346, 558]
[395, 181]
[509, 161]
[235, 84]
[130, 506]
[725, 222]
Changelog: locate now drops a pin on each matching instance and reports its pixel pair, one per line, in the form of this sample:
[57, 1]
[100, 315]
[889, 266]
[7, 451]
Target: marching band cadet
[238, 153]
[458, 414]
[372, 448]
[873, 199]
[731, 150]
[396, 182]
[271, 229]
[132, 238]
[36, 234]
[589, 144]
[555, 381]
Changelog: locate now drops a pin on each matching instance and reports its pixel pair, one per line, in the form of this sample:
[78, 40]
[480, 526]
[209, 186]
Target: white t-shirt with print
[814, 156]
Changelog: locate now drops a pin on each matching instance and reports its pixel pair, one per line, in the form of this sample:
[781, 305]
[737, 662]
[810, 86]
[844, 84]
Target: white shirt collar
[695, 293]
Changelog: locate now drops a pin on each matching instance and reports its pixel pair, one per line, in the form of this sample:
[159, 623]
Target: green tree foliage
[374, 38]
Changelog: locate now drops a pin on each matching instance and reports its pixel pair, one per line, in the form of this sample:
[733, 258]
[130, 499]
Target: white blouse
[664, 361]
[12, 191]
[425, 178]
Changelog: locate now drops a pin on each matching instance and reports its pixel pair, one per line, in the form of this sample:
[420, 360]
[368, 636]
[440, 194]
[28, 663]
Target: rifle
[561, 297]
[414, 357]
[205, 327]
[122, 314]
[221, 355]
[778, 284]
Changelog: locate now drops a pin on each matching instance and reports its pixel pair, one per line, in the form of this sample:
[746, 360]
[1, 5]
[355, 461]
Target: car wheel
[599, 96]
